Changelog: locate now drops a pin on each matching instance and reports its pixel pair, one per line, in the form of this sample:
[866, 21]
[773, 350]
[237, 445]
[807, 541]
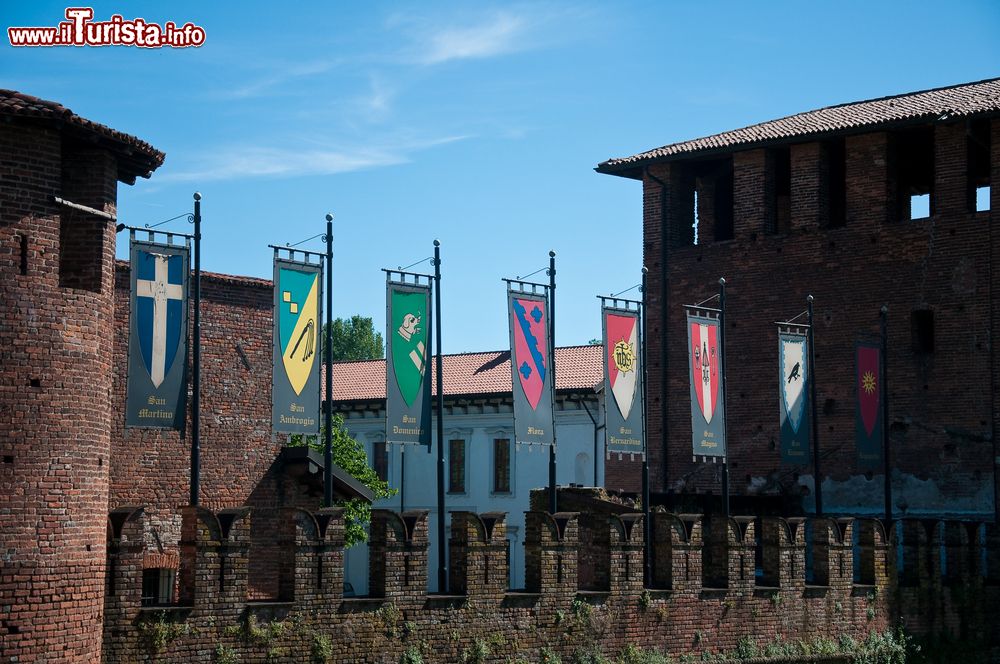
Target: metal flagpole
[884, 371]
[722, 367]
[442, 563]
[328, 446]
[553, 503]
[647, 525]
[817, 478]
[196, 388]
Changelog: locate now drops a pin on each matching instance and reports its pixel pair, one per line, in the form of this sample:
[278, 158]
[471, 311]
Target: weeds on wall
[156, 634]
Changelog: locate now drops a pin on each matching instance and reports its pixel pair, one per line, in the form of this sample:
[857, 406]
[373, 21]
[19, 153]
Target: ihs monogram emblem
[624, 356]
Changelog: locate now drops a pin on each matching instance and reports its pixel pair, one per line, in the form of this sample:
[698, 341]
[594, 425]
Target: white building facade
[485, 470]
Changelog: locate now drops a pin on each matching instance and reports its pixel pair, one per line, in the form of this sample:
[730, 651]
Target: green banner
[407, 383]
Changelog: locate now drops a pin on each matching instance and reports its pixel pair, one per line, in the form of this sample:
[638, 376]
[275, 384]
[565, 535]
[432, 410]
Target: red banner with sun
[868, 423]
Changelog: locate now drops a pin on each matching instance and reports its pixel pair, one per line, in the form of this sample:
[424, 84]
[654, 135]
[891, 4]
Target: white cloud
[271, 162]
[500, 32]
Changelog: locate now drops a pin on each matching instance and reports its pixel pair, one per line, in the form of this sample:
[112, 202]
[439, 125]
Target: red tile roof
[135, 157]
[234, 279]
[966, 99]
[470, 374]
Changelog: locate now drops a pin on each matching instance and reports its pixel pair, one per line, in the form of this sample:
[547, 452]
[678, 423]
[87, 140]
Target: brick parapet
[551, 547]
[626, 553]
[214, 550]
[397, 554]
[382, 628]
[477, 565]
[784, 559]
[677, 552]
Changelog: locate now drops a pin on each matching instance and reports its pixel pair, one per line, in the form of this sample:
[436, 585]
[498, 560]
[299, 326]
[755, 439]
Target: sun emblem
[868, 382]
[624, 356]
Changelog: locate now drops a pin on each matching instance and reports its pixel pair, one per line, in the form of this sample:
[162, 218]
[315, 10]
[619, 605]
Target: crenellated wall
[937, 577]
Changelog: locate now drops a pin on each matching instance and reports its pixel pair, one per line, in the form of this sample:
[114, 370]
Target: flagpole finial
[645, 270]
[197, 195]
[329, 216]
[437, 243]
[552, 254]
[809, 298]
[884, 309]
[722, 281]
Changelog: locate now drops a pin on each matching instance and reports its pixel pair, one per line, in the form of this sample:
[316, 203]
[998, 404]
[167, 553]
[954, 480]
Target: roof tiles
[470, 374]
[137, 156]
[962, 100]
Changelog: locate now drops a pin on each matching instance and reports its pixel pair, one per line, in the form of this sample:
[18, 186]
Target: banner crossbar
[624, 302]
[417, 276]
[292, 252]
[520, 282]
[791, 321]
[152, 234]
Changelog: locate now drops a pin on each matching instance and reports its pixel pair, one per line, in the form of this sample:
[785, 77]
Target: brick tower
[58, 194]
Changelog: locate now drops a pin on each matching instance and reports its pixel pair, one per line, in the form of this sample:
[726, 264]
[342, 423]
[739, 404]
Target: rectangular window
[501, 465]
[836, 191]
[914, 160]
[158, 586]
[920, 206]
[380, 460]
[456, 466]
[780, 214]
[978, 165]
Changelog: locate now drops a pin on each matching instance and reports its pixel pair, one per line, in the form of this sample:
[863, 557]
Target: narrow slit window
[24, 254]
[922, 325]
[694, 225]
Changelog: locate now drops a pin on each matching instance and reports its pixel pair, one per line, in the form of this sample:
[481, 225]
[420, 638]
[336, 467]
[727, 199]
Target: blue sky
[476, 123]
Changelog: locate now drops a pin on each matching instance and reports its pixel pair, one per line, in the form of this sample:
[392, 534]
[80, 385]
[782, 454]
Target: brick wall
[316, 623]
[943, 408]
[56, 290]
[152, 467]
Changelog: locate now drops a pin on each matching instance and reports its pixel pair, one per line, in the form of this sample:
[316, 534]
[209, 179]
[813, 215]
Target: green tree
[355, 339]
[350, 455]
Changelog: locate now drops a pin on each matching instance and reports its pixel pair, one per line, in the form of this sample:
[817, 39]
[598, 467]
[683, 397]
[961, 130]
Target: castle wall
[943, 409]
[56, 304]
[153, 467]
